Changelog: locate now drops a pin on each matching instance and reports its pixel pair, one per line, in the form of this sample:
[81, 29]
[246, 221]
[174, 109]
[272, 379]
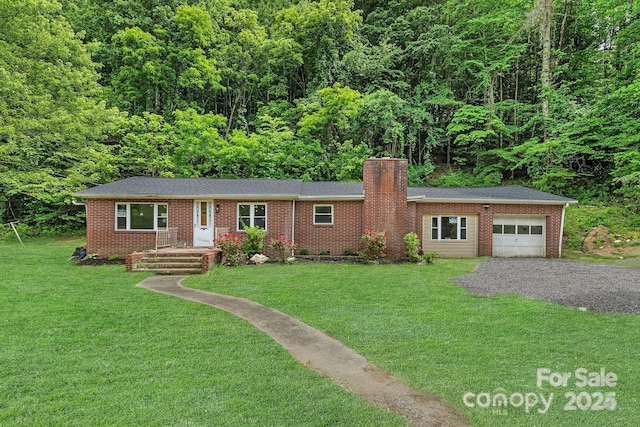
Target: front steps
[177, 262]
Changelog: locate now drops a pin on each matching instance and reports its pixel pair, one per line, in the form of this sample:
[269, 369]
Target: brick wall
[279, 218]
[103, 239]
[343, 234]
[385, 201]
[552, 213]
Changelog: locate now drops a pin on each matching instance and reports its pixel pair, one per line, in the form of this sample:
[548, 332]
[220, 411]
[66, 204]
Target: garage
[518, 236]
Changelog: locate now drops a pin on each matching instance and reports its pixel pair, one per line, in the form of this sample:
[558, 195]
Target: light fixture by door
[217, 208]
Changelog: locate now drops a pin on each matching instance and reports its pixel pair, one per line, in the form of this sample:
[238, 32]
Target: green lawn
[412, 321]
[84, 346]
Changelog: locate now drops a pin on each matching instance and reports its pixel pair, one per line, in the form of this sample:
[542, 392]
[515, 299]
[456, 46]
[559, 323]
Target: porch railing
[167, 237]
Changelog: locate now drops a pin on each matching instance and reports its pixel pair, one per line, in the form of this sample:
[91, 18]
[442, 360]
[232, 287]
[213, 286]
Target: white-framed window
[449, 227]
[252, 215]
[323, 214]
[141, 216]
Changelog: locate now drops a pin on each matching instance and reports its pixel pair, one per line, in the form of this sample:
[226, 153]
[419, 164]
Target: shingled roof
[507, 194]
[190, 188]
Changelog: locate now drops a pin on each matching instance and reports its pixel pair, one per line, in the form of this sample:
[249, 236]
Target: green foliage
[428, 258]
[466, 179]
[412, 244]
[232, 246]
[53, 123]
[626, 175]
[621, 220]
[373, 245]
[289, 89]
[414, 253]
[283, 247]
[253, 243]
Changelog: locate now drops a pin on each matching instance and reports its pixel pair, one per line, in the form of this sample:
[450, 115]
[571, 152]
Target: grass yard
[413, 322]
[84, 346]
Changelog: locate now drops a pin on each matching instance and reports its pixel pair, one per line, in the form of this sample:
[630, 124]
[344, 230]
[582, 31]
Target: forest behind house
[541, 93]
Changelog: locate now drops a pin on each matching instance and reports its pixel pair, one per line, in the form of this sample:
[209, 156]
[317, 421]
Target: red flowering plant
[283, 247]
[373, 245]
[231, 245]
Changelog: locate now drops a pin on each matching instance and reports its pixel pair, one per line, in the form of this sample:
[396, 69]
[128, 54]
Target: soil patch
[101, 261]
[599, 242]
[324, 355]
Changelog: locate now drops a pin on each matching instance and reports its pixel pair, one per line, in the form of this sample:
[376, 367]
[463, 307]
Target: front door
[202, 223]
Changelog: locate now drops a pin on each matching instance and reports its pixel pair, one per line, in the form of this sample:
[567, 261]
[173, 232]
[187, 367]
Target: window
[252, 215]
[323, 214]
[449, 228]
[141, 216]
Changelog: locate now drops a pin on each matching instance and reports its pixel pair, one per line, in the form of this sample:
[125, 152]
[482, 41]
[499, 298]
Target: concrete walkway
[324, 355]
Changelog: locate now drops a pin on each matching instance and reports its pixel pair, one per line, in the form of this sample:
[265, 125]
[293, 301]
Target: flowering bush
[231, 245]
[373, 244]
[283, 247]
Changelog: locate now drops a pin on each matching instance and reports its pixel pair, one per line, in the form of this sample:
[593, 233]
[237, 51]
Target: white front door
[202, 223]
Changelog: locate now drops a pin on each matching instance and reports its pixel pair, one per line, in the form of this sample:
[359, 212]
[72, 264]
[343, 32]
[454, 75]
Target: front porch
[174, 260]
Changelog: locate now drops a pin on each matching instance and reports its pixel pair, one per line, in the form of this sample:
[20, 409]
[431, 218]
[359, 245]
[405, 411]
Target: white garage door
[518, 236]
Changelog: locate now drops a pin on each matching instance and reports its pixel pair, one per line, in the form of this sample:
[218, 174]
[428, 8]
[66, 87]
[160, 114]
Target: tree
[53, 125]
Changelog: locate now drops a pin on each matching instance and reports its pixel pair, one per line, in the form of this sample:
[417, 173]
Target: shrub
[428, 258]
[304, 252]
[412, 243]
[283, 247]
[373, 245]
[414, 252]
[254, 241]
[231, 245]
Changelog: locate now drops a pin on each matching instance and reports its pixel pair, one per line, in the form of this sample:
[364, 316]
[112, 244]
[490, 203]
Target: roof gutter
[191, 197]
[493, 201]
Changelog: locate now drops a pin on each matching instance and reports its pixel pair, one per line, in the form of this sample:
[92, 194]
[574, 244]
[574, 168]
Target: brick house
[326, 217]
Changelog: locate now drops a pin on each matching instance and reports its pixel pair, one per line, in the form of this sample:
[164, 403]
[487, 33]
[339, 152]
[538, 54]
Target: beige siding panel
[451, 248]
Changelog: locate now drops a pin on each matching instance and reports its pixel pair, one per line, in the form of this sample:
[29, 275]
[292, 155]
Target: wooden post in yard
[13, 225]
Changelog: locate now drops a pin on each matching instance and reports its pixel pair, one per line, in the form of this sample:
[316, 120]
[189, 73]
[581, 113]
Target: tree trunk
[546, 10]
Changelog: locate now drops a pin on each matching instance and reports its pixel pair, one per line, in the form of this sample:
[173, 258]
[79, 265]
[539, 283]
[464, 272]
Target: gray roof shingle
[194, 187]
[184, 188]
[332, 189]
[490, 194]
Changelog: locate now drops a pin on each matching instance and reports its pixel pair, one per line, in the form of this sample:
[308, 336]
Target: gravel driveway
[596, 287]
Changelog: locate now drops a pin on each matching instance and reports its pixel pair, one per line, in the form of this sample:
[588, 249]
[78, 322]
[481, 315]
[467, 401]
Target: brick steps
[176, 262]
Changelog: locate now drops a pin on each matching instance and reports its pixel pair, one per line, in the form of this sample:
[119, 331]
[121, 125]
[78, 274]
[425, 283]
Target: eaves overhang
[188, 196]
[486, 201]
[340, 198]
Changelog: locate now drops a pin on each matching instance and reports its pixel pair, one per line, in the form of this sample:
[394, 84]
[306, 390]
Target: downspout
[293, 223]
[561, 229]
[74, 202]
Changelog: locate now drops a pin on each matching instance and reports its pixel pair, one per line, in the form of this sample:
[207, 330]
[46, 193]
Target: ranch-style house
[135, 214]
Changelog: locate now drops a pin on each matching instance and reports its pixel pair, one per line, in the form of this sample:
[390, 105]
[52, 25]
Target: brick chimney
[385, 201]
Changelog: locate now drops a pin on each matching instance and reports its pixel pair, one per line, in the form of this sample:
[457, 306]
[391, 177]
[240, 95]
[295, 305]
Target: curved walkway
[324, 355]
